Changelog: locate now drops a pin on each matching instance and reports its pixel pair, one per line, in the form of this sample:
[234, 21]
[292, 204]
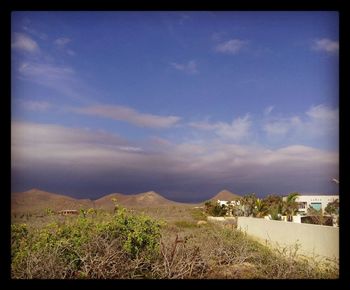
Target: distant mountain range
[36, 200]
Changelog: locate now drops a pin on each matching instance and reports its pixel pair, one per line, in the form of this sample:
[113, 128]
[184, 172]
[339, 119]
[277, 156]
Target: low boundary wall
[313, 239]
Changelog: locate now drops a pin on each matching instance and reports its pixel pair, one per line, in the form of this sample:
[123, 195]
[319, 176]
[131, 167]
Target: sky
[182, 103]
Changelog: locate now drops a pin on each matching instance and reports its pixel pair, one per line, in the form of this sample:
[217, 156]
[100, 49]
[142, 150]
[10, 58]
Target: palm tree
[260, 208]
[290, 206]
[248, 203]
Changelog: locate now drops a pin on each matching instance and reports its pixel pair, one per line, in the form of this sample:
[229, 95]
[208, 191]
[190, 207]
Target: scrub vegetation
[131, 244]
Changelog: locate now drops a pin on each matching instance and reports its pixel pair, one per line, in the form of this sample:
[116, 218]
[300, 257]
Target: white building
[318, 202]
[224, 202]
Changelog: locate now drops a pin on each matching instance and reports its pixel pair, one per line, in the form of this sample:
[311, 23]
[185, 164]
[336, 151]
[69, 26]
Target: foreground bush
[69, 245]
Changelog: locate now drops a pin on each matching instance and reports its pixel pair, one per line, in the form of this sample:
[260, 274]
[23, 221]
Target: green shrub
[215, 209]
[136, 234]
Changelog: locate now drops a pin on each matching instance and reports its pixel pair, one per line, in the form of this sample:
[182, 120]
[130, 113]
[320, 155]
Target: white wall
[313, 239]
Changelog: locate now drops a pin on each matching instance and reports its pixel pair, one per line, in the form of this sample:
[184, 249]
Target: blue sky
[184, 103]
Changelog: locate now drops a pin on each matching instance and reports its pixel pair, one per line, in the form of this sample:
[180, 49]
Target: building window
[302, 205]
[316, 205]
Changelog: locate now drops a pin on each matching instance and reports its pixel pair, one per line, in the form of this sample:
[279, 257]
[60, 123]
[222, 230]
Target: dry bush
[178, 260]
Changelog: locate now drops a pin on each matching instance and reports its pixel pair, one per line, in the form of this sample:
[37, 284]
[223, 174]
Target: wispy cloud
[325, 44]
[30, 133]
[130, 115]
[23, 42]
[183, 18]
[60, 78]
[218, 36]
[239, 128]
[189, 67]
[268, 110]
[41, 35]
[37, 106]
[232, 46]
[70, 52]
[62, 42]
[45, 71]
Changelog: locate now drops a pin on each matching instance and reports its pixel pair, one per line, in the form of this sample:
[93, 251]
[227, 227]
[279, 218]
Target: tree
[274, 203]
[316, 217]
[260, 209]
[248, 204]
[215, 209]
[332, 208]
[290, 206]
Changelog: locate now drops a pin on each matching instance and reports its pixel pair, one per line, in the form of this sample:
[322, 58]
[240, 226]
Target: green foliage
[198, 214]
[136, 234]
[19, 234]
[316, 217]
[274, 204]
[332, 208]
[275, 212]
[91, 212]
[290, 206]
[260, 209]
[83, 212]
[124, 245]
[248, 204]
[215, 209]
[49, 212]
[115, 202]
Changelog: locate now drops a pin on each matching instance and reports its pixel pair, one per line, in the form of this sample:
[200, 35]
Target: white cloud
[323, 113]
[281, 126]
[232, 46]
[49, 142]
[239, 128]
[62, 41]
[319, 121]
[122, 113]
[196, 164]
[326, 44]
[23, 42]
[189, 67]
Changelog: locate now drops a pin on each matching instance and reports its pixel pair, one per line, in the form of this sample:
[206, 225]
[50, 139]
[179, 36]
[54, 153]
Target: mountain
[145, 199]
[226, 195]
[36, 200]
